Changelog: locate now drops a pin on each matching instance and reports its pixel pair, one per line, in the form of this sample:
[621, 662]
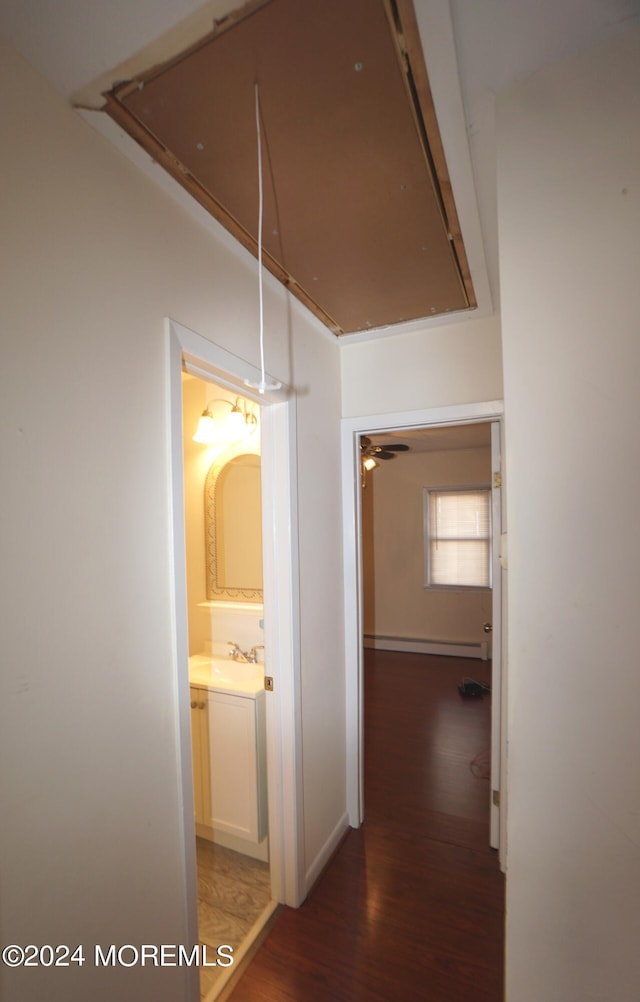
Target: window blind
[459, 538]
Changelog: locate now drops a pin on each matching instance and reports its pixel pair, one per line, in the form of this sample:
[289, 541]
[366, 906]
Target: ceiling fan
[370, 453]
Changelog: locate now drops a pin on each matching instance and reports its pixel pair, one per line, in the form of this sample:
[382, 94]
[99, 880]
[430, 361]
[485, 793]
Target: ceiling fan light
[369, 463]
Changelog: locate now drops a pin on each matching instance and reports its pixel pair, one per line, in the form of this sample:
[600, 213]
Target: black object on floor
[468, 687]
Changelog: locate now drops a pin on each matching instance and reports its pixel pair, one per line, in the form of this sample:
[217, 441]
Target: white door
[496, 676]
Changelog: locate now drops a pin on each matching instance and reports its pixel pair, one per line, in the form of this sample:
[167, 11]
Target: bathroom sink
[226, 675]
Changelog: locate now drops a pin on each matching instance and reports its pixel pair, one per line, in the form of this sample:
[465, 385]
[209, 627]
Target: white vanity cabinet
[229, 763]
[200, 752]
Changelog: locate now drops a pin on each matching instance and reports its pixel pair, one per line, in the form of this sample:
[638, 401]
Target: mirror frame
[214, 591]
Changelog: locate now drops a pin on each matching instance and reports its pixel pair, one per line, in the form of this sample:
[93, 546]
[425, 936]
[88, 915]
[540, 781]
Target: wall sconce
[239, 423]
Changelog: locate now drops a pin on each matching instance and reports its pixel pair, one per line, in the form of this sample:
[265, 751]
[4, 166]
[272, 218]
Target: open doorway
[427, 618]
[191, 353]
[352, 431]
[223, 541]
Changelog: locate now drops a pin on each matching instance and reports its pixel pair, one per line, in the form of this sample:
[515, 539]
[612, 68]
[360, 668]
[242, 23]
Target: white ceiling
[465, 436]
[497, 42]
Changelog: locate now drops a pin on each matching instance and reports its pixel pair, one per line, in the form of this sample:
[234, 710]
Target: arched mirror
[233, 529]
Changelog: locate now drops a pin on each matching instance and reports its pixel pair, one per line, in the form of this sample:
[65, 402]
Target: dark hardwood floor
[412, 905]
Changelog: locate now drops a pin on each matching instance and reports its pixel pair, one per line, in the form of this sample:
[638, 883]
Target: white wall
[454, 364]
[194, 400]
[395, 601]
[92, 258]
[569, 201]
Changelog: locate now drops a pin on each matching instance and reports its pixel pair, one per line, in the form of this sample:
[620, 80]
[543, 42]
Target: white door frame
[352, 430]
[209, 361]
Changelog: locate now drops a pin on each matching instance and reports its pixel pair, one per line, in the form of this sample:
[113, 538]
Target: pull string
[262, 385]
[260, 218]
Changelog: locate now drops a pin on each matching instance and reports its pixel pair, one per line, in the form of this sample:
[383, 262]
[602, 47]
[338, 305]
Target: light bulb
[235, 423]
[206, 432]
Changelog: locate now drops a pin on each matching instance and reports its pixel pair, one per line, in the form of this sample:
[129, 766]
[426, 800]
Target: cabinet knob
[202, 706]
[193, 704]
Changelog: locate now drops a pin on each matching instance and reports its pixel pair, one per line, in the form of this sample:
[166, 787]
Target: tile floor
[233, 890]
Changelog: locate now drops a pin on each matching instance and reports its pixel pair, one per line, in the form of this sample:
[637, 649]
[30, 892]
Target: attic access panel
[356, 222]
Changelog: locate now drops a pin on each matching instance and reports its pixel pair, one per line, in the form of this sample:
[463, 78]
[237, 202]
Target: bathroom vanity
[229, 752]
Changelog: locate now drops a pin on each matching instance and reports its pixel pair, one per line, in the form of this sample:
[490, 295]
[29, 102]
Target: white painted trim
[281, 607]
[207, 360]
[438, 44]
[437, 36]
[351, 431]
[419, 324]
[495, 812]
[180, 651]
[282, 649]
[256, 850]
[326, 852]
[445, 648]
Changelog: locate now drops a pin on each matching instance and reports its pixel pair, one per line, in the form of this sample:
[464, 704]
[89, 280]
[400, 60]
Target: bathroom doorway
[223, 541]
[191, 353]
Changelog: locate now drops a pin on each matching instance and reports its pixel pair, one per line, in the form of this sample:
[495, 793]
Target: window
[457, 537]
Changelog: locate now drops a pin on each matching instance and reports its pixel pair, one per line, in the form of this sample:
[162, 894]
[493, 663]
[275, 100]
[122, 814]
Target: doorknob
[488, 627]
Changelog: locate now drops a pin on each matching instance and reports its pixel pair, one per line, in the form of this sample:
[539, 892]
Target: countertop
[237, 678]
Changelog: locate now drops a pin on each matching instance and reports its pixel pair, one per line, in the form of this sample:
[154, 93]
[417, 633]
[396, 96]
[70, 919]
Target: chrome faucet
[248, 657]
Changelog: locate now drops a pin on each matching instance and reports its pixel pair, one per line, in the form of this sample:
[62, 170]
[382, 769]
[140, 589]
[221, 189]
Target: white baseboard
[446, 647]
[257, 850]
[326, 852]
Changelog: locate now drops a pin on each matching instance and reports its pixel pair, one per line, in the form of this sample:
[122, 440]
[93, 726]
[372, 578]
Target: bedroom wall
[396, 603]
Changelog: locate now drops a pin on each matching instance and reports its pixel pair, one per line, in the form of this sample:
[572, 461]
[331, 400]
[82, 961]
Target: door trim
[207, 360]
[351, 431]
[497, 657]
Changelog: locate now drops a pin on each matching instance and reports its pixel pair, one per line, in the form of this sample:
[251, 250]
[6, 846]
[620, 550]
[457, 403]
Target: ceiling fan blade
[398, 447]
[383, 454]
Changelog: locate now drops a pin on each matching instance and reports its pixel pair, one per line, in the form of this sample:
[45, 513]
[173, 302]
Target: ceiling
[466, 436]
[471, 50]
[359, 222]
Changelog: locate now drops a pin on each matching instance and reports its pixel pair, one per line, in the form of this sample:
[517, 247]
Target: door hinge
[268, 683]
[495, 798]
[497, 479]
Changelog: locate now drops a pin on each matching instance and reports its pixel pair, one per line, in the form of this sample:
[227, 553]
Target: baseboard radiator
[447, 647]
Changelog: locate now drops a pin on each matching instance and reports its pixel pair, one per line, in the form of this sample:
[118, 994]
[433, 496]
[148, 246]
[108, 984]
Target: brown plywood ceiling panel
[354, 220]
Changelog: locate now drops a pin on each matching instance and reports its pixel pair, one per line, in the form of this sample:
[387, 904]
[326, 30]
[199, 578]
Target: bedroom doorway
[352, 431]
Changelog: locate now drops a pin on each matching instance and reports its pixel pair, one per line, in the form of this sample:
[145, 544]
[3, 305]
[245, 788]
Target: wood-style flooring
[412, 905]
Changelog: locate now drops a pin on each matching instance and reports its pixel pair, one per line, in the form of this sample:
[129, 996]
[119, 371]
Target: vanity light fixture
[239, 423]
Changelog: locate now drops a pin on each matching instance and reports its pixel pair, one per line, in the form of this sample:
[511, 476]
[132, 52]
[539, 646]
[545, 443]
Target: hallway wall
[93, 258]
[569, 139]
[458, 363]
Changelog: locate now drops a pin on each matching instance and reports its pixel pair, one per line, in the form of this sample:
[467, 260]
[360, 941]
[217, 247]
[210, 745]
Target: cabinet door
[233, 779]
[199, 753]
